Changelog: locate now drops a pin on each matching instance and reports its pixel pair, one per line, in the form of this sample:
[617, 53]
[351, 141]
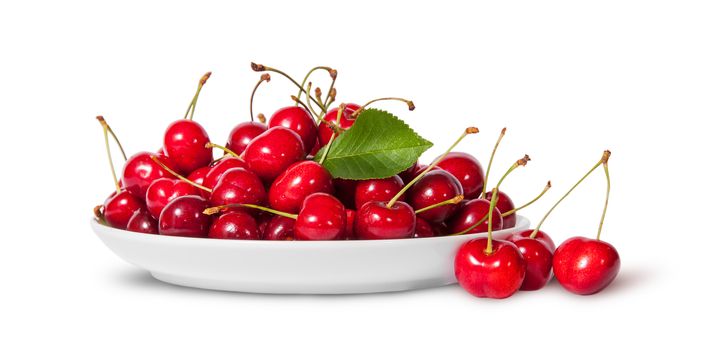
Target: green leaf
[378, 145]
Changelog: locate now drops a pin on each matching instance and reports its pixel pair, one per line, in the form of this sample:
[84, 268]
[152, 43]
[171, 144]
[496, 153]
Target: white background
[568, 79]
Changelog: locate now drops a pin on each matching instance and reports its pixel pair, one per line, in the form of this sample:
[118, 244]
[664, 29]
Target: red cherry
[351, 218]
[301, 179]
[469, 213]
[345, 122]
[162, 191]
[242, 134]
[300, 121]
[184, 144]
[585, 266]
[467, 170]
[540, 236]
[279, 228]
[496, 275]
[321, 217]
[374, 220]
[143, 222]
[234, 225]
[184, 216]
[140, 171]
[538, 261]
[272, 152]
[436, 186]
[408, 174]
[422, 229]
[119, 208]
[314, 150]
[504, 205]
[377, 190]
[216, 171]
[345, 191]
[238, 186]
[198, 177]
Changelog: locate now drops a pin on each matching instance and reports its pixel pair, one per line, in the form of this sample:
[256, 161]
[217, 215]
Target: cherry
[467, 170]
[345, 190]
[505, 205]
[272, 152]
[292, 186]
[349, 229]
[436, 186]
[488, 268]
[162, 191]
[538, 261]
[217, 170]
[142, 221]
[377, 190]
[409, 173]
[238, 186]
[119, 208]
[198, 177]
[279, 228]
[376, 220]
[540, 236]
[322, 217]
[422, 229]
[471, 216]
[184, 216]
[234, 225]
[345, 122]
[300, 121]
[141, 170]
[242, 134]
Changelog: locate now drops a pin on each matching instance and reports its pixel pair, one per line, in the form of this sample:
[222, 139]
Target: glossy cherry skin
[436, 186]
[422, 229]
[119, 208]
[540, 236]
[377, 190]
[375, 221]
[238, 186]
[585, 266]
[279, 228]
[468, 213]
[300, 121]
[467, 170]
[140, 171]
[345, 191]
[234, 225]
[162, 191]
[349, 229]
[325, 132]
[216, 171]
[538, 261]
[271, 153]
[300, 180]
[184, 144]
[242, 134]
[184, 216]
[504, 205]
[322, 217]
[497, 275]
[198, 176]
[143, 222]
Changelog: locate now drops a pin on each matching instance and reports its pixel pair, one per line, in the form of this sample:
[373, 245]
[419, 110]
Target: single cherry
[322, 217]
[142, 221]
[271, 153]
[162, 191]
[467, 170]
[300, 180]
[216, 171]
[234, 225]
[279, 228]
[422, 229]
[198, 177]
[377, 190]
[345, 122]
[471, 216]
[242, 134]
[119, 208]
[184, 216]
[238, 186]
[436, 186]
[505, 205]
[298, 120]
[538, 261]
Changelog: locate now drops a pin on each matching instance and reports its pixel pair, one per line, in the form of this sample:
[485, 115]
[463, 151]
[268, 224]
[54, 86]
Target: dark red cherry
[409, 174]
[322, 217]
[234, 225]
[498, 274]
[345, 191]
[140, 171]
[314, 150]
[279, 228]
[198, 176]
[238, 186]
[184, 216]
[435, 187]
[538, 261]
[162, 191]
[119, 208]
[377, 190]
[184, 144]
[504, 204]
[242, 134]
[271, 153]
[296, 118]
[216, 171]
[301, 179]
[469, 213]
[422, 229]
[351, 218]
[142, 222]
[376, 221]
[325, 132]
[467, 170]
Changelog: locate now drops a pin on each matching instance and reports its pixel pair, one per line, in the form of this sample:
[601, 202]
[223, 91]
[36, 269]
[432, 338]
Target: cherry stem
[606, 156]
[307, 76]
[494, 199]
[261, 117]
[341, 108]
[261, 68]
[469, 130]
[411, 105]
[219, 208]
[490, 163]
[191, 107]
[454, 200]
[307, 98]
[106, 129]
[223, 148]
[331, 92]
[514, 210]
[179, 176]
[603, 160]
[264, 78]
[319, 119]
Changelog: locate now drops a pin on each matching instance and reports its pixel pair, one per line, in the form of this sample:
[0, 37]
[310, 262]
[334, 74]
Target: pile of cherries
[267, 186]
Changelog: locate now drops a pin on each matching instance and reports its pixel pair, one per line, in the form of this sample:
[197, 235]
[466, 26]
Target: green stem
[179, 176]
[194, 101]
[607, 196]
[454, 200]
[260, 68]
[106, 129]
[494, 199]
[307, 98]
[223, 148]
[217, 209]
[514, 210]
[264, 77]
[307, 76]
[411, 105]
[490, 163]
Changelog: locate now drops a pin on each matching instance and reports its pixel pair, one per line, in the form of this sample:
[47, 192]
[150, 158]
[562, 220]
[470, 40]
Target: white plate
[309, 267]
